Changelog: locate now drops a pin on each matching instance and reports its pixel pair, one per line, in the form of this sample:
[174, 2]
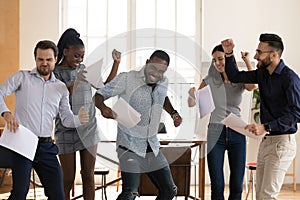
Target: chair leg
[73, 190]
[33, 178]
[104, 187]
[249, 185]
[252, 178]
[195, 179]
[246, 181]
[118, 175]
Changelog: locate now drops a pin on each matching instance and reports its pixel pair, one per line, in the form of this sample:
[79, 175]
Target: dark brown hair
[46, 44]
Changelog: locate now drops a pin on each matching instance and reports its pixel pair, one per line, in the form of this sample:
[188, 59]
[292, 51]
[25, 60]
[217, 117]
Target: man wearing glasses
[279, 88]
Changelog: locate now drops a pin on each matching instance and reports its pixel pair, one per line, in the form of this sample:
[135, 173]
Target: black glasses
[259, 52]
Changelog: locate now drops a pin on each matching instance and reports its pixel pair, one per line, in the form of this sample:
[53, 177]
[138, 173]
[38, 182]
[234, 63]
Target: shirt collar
[280, 67]
[142, 73]
[36, 73]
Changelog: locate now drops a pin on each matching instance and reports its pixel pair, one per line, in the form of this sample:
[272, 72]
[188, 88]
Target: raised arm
[245, 57]
[232, 72]
[117, 59]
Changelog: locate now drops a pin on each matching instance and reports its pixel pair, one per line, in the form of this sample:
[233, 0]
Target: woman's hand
[192, 92]
[245, 56]
[191, 98]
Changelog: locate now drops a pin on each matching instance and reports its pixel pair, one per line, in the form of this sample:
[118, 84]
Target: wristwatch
[173, 113]
[267, 127]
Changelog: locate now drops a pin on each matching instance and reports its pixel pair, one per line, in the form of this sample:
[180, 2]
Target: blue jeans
[156, 168]
[220, 139]
[46, 166]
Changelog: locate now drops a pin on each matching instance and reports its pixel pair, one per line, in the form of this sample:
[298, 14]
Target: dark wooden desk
[201, 170]
[192, 143]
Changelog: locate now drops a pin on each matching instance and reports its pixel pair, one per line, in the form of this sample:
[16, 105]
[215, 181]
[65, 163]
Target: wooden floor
[286, 193]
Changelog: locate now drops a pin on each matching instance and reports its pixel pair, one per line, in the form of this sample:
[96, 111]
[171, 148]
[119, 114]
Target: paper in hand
[23, 141]
[237, 124]
[204, 101]
[93, 74]
[126, 115]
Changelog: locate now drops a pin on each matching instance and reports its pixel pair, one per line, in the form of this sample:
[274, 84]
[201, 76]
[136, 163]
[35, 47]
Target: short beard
[44, 73]
[265, 63]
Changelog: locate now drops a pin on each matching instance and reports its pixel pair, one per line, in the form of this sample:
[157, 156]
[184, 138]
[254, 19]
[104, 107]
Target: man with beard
[279, 88]
[138, 147]
[40, 97]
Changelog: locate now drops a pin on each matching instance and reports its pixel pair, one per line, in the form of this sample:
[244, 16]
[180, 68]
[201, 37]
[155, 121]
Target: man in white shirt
[40, 97]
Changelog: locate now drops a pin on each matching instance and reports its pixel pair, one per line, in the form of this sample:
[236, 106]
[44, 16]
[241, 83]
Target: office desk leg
[201, 171]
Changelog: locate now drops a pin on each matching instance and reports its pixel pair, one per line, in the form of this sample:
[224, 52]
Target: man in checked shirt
[138, 147]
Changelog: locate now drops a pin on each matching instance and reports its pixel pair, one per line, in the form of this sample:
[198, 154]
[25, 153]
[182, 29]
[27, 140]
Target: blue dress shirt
[279, 94]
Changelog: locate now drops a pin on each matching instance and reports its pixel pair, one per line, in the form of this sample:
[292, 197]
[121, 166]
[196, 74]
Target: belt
[276, 136]
[45, 139]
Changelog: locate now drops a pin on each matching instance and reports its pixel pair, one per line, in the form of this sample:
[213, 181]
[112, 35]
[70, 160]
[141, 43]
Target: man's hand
[11, 122]
[116, 55]
[176, 119]
[83, 115]
[228, 46]
[105, 111]
[108, 113]
[256, 129]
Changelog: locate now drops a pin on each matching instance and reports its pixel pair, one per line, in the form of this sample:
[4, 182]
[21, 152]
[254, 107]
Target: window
[137, 28]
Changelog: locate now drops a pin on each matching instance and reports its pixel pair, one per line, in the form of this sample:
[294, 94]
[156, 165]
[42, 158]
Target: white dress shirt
[38, 102]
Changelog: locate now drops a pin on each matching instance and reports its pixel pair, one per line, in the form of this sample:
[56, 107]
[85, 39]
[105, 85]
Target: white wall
[244, 21]
[39, 20]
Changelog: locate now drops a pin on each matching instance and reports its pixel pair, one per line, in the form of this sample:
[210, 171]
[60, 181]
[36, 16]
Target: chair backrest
[2, 176]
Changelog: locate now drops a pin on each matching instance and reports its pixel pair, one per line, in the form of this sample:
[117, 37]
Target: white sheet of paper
[126, 115]
[204, 101]
[238, 125]
[23, 141]
[93, 75]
